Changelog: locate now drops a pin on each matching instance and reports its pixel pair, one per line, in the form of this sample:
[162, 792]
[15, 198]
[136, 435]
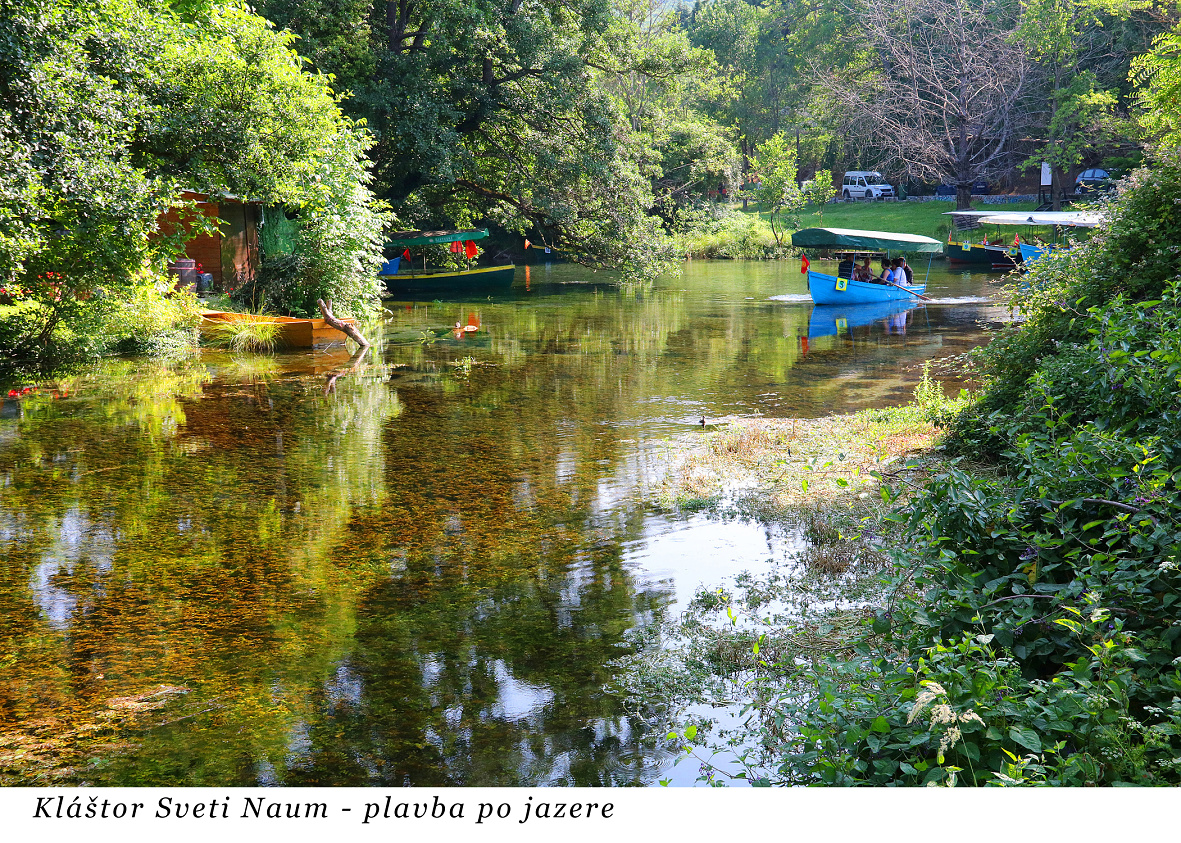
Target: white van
[865, 184]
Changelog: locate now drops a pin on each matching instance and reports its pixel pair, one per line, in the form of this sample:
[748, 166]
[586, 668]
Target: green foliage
[110, 109]
[1159, 73]
[1029, 633]
[821, 191]
[933, 404]
[1131, 255]
[727, 234]
[777, 191]
[1083, 121]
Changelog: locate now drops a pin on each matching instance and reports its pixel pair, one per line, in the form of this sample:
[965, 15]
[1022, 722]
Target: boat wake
[962, 300]
[795, 297]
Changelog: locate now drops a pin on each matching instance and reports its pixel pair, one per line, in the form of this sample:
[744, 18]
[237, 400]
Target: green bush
[1134, 255]
[731, 235]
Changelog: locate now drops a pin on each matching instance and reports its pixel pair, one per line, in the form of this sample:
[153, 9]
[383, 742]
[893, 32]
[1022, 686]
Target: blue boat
[1029, 253]
[829, 289]
[834, 320]
[832, 290]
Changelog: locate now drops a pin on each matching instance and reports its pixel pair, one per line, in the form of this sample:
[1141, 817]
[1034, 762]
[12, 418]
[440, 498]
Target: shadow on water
[412, 569]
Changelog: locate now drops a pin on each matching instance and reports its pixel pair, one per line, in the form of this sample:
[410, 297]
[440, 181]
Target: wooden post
[350, 330]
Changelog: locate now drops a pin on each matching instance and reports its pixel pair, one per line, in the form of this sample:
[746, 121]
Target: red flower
[12, 393]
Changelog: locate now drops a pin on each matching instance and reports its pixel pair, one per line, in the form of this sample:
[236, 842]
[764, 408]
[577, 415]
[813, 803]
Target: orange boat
[294, 332]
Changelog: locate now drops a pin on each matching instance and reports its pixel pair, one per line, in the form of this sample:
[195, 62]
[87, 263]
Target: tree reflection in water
[419, 575]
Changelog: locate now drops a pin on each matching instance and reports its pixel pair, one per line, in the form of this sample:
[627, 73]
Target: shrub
[731, 235]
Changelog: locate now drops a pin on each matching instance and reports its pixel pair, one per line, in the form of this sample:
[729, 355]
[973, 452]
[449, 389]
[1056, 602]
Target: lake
[416, 567]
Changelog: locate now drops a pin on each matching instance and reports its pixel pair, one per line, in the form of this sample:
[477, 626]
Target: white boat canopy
[1070, 219]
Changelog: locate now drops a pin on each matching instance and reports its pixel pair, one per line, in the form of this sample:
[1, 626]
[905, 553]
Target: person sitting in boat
[887, 275]
[907, 272]
[845, 268]
[864, 272]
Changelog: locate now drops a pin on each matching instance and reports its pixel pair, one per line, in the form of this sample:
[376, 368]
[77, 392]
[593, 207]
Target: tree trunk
[349, 330]
[963, 197]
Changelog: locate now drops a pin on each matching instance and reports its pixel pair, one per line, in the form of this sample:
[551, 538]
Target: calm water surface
[414, 568]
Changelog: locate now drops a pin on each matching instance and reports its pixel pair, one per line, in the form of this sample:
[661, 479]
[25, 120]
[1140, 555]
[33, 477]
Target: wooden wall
[231, 254]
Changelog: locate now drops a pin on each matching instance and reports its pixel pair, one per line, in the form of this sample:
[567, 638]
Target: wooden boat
[830, 289]
[1030, 253]
[1026, 252]
[998, 257]
[485, 278]
[405, 279]
[294, 332]
[542, 254]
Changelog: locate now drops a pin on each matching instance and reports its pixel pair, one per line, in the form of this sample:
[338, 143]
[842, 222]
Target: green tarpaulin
[875, 241]
[402, 239]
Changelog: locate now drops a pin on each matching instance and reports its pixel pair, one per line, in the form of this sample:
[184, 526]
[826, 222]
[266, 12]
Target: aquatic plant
[258, 336]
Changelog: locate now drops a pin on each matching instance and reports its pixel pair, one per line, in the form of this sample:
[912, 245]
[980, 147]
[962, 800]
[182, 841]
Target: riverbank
[833, 483]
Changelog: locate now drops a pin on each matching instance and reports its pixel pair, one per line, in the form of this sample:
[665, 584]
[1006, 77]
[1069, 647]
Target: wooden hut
[231, 253]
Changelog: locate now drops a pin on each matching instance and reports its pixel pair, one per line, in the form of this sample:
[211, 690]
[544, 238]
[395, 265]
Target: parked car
[979, 188]
[1093, 179]
[865, 184]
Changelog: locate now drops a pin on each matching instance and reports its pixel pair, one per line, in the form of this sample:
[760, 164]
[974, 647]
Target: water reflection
[414, 566]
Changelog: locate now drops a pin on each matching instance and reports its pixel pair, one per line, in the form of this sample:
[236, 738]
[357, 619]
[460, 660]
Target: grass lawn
[926, 218]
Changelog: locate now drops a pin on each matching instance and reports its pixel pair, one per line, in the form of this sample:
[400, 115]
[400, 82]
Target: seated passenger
[907, 273]
[863, 272]
[845, 268]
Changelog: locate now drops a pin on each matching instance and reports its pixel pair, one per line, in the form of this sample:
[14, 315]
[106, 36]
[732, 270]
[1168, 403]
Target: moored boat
[990, 254]
[485, 278]
[1028, 252]
[401, 277]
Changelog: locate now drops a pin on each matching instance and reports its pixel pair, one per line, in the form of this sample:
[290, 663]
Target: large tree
[941, 93]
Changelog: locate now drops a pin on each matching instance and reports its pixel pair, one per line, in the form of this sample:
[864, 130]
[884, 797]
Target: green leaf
[1026, 738]
[690, 732]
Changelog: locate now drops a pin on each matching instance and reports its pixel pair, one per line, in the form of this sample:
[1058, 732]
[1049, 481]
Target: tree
[1083, 120]
[1159, 74]
[777, 192]
[940, 94]
[1062, 38]
[822, 191]
[488, 111]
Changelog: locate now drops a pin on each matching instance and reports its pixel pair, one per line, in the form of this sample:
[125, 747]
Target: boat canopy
[402, 239]
[850, 238]
[1074, 219]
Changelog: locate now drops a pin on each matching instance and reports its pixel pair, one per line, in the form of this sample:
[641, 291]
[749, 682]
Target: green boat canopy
[850, 238]
[402, 239]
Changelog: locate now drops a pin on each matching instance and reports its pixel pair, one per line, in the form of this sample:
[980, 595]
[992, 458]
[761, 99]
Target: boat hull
[294, 332]
[823, 289]
[1030, 254]
[979, 254]
[484, 279]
